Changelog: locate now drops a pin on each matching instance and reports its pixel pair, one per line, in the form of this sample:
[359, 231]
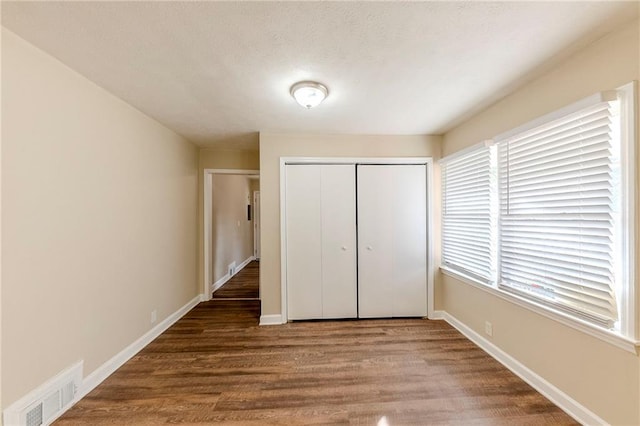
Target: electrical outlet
[488, 328]
[154, 316]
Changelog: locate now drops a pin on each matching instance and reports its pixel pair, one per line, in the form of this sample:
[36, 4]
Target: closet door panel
[375, 242]
[339, 286]
[410, 241]
[304, 249]
[392, 240]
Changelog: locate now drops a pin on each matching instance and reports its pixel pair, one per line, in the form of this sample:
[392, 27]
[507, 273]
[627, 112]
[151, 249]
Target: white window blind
[557, 210]
[467, 223]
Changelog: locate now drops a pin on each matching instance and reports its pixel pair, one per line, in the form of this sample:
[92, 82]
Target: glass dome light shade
[309, 93]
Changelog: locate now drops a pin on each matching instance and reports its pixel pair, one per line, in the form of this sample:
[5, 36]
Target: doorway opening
[231, 270]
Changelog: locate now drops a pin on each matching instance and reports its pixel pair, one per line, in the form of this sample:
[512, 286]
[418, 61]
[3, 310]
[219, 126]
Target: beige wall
[232, 232]
[99, 202]
[218, 159]
[598, 375]
[273, 146]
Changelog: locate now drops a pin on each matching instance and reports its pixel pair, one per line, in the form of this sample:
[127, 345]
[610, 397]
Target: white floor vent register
[46, 403]
[232, 269]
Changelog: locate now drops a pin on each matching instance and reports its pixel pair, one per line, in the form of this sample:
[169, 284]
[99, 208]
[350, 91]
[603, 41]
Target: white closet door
[375, 241]
[392, 240]
[321, 241]
[304, 250]
[338, 199]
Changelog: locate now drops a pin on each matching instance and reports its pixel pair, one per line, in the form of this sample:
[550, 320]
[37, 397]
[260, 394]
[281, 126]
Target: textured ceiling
[218, 72]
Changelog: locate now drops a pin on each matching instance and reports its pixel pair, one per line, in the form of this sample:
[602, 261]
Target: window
[546, 215]
[468, 243]
[557, 213]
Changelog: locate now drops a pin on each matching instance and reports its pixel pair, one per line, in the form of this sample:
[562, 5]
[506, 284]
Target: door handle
[344, 248]
[369, 248]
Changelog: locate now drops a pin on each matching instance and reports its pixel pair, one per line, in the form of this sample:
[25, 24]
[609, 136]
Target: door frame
[427, 161]
[207, 240]
[256, 224]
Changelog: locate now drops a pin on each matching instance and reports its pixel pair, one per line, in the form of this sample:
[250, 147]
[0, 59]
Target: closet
[321, 241]
[392, 241]
[356, 240]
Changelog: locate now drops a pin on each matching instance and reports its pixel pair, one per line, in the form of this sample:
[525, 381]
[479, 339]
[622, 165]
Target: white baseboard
[105, 370]
[271, 319]
[16, 413]
[437, 315]
[245, 263]
[572, 407]
[222, 281]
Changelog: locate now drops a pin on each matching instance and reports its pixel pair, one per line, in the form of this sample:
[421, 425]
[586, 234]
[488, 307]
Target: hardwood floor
[216, 365]
[243, 285]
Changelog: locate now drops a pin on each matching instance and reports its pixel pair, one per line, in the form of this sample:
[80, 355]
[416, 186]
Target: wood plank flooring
[216, 365]
[243, 285]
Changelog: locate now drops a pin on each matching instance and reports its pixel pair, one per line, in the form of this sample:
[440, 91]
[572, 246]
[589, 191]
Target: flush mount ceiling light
[309, 93]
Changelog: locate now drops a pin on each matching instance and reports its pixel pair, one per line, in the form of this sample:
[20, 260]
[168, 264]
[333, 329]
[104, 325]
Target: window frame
[628, 175]
[626, 337]
[465, 153]
[524, 259]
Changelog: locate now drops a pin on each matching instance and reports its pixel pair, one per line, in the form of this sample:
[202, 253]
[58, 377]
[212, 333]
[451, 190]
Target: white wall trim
[245, 263]
[356, 160]
[427, 161]
[222, 281]
[207, 241]
[15, 414]
[629, 133]
[256, 224]
[437, 315]
[594, 99]
[572, 407]
[226, 277]
[468, 150]
[284, 312]
[105, 370]
[271, 319]
[607, 336]
[431, 267]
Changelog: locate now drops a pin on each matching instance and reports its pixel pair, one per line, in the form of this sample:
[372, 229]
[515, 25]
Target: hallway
[244, 285]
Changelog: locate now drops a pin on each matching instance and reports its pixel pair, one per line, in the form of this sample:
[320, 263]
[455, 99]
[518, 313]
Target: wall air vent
[46, 403]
